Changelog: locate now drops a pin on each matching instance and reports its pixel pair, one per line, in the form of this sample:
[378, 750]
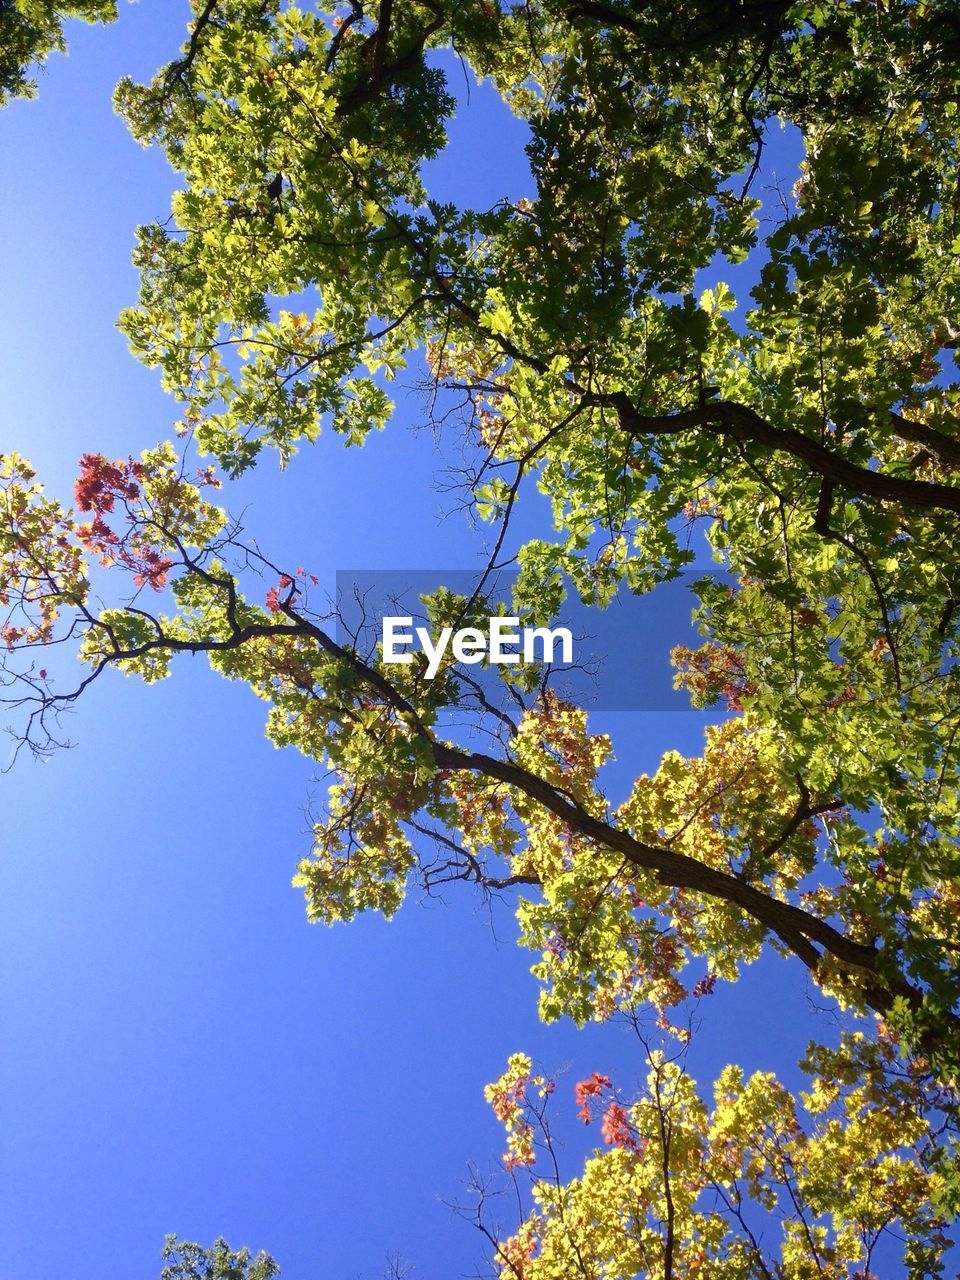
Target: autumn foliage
[584, 342]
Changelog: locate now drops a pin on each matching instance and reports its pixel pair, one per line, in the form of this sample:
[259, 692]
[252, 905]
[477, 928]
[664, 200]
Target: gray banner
[621, 654]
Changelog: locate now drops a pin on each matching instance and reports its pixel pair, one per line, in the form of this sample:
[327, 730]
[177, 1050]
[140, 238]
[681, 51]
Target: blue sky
[180, 1050]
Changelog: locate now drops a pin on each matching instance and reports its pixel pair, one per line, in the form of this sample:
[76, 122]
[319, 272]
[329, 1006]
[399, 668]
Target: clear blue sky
[179, 1050]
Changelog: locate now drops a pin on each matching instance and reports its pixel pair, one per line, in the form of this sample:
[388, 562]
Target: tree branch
[740, 422]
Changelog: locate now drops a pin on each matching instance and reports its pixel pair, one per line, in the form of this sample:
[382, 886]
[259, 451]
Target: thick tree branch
[800, 932]
[675, 870]
[944, 448]
[381, 73]
[178, 70]
[740, 422]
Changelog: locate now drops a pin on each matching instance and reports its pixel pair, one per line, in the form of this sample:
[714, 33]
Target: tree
[573, 345]
[188, 1261]
[760, 1184]
[30, 30]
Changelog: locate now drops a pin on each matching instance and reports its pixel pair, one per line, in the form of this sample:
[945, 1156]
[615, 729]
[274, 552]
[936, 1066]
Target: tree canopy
[188, 1261]
[589, 341]
[30, 30]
